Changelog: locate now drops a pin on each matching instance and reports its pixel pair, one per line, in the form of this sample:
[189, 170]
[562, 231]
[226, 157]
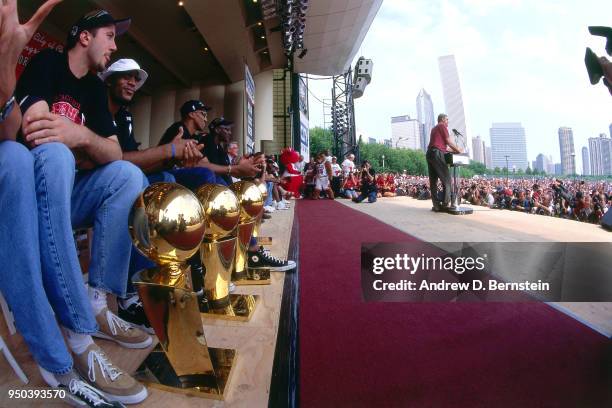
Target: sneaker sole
[141, 345]
[275, 268]
[127, 399]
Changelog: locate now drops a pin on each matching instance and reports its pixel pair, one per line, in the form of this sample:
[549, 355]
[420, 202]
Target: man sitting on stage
[439, 141]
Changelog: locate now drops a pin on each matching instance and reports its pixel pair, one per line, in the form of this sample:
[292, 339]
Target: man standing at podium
[439, 142]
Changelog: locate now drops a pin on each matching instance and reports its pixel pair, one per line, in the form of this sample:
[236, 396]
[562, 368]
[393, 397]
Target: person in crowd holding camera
[368, 183]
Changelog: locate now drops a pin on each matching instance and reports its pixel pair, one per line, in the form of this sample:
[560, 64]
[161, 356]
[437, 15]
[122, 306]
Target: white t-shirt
[336, 170]
[347, 167]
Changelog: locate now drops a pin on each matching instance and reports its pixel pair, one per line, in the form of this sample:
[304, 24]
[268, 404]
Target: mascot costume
[292, 178]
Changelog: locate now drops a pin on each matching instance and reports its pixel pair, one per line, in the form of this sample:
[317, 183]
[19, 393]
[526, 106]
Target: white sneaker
[281, 206]
[232, 287]
[269, 209]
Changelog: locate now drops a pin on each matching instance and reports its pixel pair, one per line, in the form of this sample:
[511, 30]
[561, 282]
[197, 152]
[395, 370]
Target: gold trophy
[218, 251]
[251, 206]
[264, 194]
[167, 224]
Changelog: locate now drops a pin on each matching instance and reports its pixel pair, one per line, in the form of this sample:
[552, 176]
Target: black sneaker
[262, 259]
[77, 392]
[136, 316]
[81, 394]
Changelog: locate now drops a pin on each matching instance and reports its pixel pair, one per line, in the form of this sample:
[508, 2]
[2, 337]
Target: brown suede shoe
[110, 380]
[112, 327]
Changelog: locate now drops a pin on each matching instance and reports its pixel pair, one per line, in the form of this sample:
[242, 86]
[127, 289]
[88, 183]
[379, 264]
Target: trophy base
[241, 308]
[459, 210]
[157, 372]
[253, 276]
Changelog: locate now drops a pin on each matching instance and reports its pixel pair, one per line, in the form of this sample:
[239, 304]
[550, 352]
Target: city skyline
[517, 61]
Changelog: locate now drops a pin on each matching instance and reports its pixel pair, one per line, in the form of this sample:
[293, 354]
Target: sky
[518, 61]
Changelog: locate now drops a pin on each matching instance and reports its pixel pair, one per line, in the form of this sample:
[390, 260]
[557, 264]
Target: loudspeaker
[359, 87]
[606, 221]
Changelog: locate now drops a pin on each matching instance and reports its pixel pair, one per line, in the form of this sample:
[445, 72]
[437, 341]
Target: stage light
[263, 37]
[180, 3]
[205, 49]
[259, 23]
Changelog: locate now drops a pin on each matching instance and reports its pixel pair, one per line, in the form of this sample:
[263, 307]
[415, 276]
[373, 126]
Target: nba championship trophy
[264, 194]
[167, 224]
[251, 206]
[218, 251]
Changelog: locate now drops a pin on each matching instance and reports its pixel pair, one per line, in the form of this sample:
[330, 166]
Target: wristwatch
[7, 109]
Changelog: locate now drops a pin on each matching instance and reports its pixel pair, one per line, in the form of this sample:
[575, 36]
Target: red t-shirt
[439, 137]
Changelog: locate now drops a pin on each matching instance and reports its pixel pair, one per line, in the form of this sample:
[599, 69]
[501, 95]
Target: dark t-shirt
[82, 100]
[368, 186]
[439, 137]
[125, 130]
[171, 132]
[216, 154]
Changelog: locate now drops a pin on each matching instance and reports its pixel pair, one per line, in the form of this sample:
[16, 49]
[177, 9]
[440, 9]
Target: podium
[455, 161]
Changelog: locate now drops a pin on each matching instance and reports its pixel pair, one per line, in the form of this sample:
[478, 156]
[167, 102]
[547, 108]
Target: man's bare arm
[10, 126]
[40, 126]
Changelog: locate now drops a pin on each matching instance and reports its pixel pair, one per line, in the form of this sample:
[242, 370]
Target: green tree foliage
[320, 139]
[396, 160]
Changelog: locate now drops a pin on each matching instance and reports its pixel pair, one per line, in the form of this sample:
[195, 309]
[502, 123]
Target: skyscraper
[508, 139]
[542, 163]
[488, 158]
[586, 168]
[478, 149]
[405, 132]
[453, 100]
[566, 147]
[600, 155]
[425, 116]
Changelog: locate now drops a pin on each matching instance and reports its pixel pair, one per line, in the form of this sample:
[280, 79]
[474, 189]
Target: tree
[320, 139]
[528, 171]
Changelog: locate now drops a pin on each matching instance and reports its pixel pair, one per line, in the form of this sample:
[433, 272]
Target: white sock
[78, 342]
[97, 299]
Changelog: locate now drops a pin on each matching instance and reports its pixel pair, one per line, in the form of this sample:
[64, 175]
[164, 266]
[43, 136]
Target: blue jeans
[269, 200]
[194, 177]
[41, 274]
[371, 196]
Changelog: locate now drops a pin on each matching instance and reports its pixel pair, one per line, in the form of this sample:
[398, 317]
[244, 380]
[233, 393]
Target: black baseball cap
[217, 122]
[95, 19]
[192, 106]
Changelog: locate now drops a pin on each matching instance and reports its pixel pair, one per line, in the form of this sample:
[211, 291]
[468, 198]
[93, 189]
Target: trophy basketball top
[263, 189]
[251, 200]
[221, 208]
[167, 223]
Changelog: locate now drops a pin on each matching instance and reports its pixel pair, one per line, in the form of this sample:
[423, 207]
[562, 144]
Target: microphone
[456, 132]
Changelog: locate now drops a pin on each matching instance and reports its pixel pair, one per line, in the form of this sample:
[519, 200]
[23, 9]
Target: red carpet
[356, 354]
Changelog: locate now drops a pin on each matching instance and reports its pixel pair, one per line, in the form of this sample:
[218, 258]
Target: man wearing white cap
[123, 78]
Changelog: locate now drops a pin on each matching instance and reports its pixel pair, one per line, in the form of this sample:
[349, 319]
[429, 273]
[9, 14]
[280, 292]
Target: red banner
[39, 41]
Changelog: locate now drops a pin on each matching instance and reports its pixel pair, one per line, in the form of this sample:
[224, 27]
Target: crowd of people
[69, 159]
[323, 177]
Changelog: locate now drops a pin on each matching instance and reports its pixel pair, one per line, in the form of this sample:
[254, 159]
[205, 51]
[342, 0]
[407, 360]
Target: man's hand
[192, 154]
[45, 127]
[186, 150]
[13, 38]
[247, 167]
